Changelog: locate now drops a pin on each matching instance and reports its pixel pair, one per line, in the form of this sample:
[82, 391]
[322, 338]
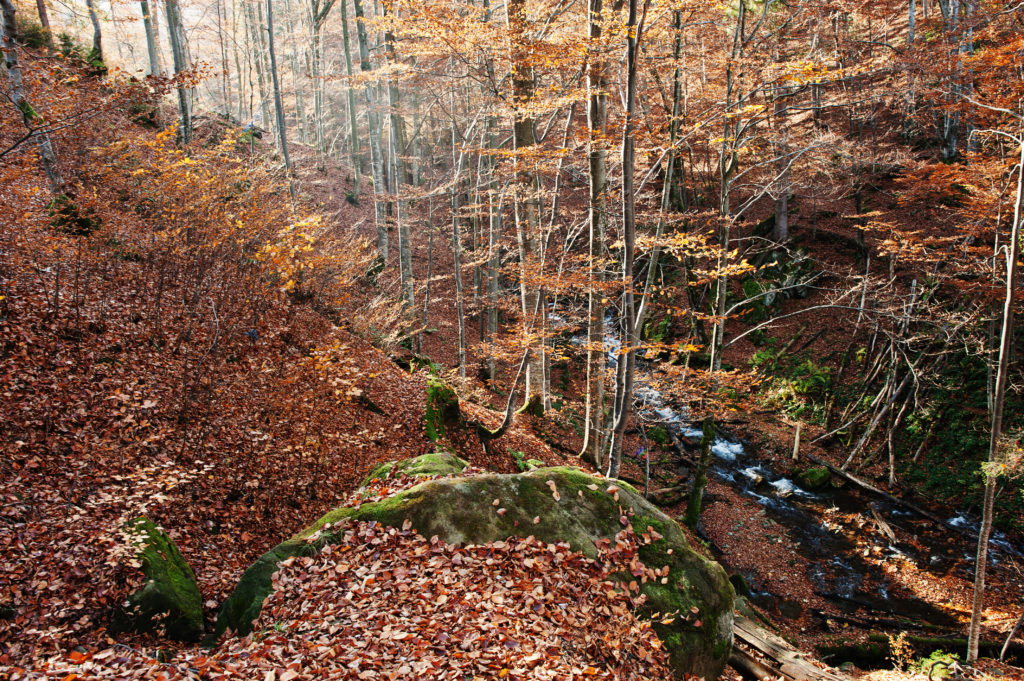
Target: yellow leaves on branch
[285, 255]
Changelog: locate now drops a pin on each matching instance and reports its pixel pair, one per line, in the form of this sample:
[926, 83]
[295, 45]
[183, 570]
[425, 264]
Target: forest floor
[88, 441]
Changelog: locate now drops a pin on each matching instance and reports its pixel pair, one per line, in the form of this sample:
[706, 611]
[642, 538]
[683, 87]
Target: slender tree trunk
[727, 168]
[528, 229]
[293, 58]
[457, 236]
[597, 124]
[911, 22]
[278, 104]
[238, 62]
[493, 251]
[400, 175]
[999, 401]
[780, 232]
[44, 16]
[353, 128]
[225, 75]
[670, 171]
[624, 386]
[180, 54]
[9, 47]
[700, 475]
[494, 206]
[373, 119]
[97, 34]
[256, 50]
[316, 56]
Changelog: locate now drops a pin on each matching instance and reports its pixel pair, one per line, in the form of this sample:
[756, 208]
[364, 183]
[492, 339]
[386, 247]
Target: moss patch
[815, 478]
[462, 511]
[170, 600]
[443, 416]
[439, 463]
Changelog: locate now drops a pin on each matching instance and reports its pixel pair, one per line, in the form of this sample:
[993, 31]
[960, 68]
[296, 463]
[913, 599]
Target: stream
[837, 568]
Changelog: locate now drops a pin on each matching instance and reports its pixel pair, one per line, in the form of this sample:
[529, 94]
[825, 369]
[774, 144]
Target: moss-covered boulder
[815, 477]
[428, 465]
[463, 511]
[169, 602]
[442, 417]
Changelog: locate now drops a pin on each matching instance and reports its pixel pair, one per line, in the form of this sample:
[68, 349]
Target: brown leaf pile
[389, 604]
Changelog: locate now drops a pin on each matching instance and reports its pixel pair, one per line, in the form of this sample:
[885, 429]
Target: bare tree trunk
[493, 251]
[180, 54]
[400, 175]
[624, 385]
[44, 16]
[316, 57]
[528, 230]
[700, 475]
[256, 51]
[670, 174]
[998, 403]
[97, 35]
[278, 105]
[373, 119]
[911, 22]
[727, 168]
[1009, 637]
[238, 62]
[457, 237]
[225, 67]
[780, 232]
[8, 36]
[597, 123]
[353, 128]
[494, 205]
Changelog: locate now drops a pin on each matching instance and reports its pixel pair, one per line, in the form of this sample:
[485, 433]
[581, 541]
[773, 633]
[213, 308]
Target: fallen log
[868, 487]
[764, 654]
[875, 653]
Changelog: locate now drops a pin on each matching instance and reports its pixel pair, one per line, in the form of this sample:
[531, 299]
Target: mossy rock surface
[428, 465]
[170, 601]
[815, 478]
[443, 416]
[461, 511]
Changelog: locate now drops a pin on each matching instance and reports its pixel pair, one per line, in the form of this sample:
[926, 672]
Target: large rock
[462, 511]
[169, 602]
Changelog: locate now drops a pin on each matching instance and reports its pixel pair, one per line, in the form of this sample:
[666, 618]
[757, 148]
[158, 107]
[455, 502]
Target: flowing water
[836, 567]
